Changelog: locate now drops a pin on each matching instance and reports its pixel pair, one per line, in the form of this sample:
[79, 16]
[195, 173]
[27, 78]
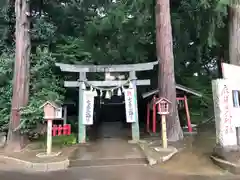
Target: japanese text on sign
[226, 111]
[88, 111]
[130, 105]
[88, 106]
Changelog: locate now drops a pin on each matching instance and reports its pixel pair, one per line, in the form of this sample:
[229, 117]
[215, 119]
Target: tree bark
[166, 82]
[21, 74]
[234, 32]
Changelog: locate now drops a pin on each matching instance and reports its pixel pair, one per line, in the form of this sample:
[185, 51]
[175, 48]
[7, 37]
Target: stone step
[106, 162]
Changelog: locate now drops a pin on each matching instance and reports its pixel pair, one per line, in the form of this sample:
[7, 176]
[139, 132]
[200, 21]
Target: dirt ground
[195, 157]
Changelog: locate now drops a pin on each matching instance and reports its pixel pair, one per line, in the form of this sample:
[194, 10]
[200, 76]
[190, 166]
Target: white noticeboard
[58, 113]
[88, 106]
[231, 73]
[130, 105]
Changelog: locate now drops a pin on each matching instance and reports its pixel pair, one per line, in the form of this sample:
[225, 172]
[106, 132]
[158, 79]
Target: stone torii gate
[83, 69]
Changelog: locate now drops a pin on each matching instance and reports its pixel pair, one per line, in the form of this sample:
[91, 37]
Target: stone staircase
[107, 152]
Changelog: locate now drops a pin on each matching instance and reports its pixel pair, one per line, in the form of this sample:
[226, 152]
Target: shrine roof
[178, 87]
[54, 104]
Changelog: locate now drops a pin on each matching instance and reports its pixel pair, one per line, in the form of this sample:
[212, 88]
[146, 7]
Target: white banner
[88, 106]
[130, 105]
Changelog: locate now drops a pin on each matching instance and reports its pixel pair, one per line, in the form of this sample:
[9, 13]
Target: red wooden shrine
[181, 99]
[154, 113]
[59, 130]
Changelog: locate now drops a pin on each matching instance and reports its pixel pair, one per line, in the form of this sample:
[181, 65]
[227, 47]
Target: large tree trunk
[21, 74]
[234, 32]
[167, 87]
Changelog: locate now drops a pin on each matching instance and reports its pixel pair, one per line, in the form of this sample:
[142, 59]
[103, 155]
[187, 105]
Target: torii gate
[83, 69]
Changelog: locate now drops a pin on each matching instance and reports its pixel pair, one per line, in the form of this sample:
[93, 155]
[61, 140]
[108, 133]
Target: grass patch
[58, 141]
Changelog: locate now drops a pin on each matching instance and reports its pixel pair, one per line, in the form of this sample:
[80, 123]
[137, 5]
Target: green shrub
[64, 140]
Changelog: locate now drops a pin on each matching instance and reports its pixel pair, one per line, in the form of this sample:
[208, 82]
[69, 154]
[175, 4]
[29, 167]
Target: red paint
[61, 130]
[187, 114]
[180, 98]
[54, 130]
[148, 117]
[67, 129]
[154, 115]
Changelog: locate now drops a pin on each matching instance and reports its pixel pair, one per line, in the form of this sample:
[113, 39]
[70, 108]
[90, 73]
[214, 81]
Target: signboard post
[163, 110]
[49, 136]
[52, 111]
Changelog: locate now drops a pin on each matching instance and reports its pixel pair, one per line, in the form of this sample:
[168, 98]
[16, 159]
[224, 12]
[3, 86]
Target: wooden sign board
[52, 110]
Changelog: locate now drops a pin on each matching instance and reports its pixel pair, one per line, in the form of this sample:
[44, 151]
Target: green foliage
[46, 85]
[43, 31]
[6, 62]
[71, 50]
[120, 34]
[64, 140]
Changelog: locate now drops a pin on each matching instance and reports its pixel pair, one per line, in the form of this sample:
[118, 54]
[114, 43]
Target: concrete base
[45, 155]
[15, 164]
[227, 158]
[136, 142]
[226, 165]
[157, 155]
